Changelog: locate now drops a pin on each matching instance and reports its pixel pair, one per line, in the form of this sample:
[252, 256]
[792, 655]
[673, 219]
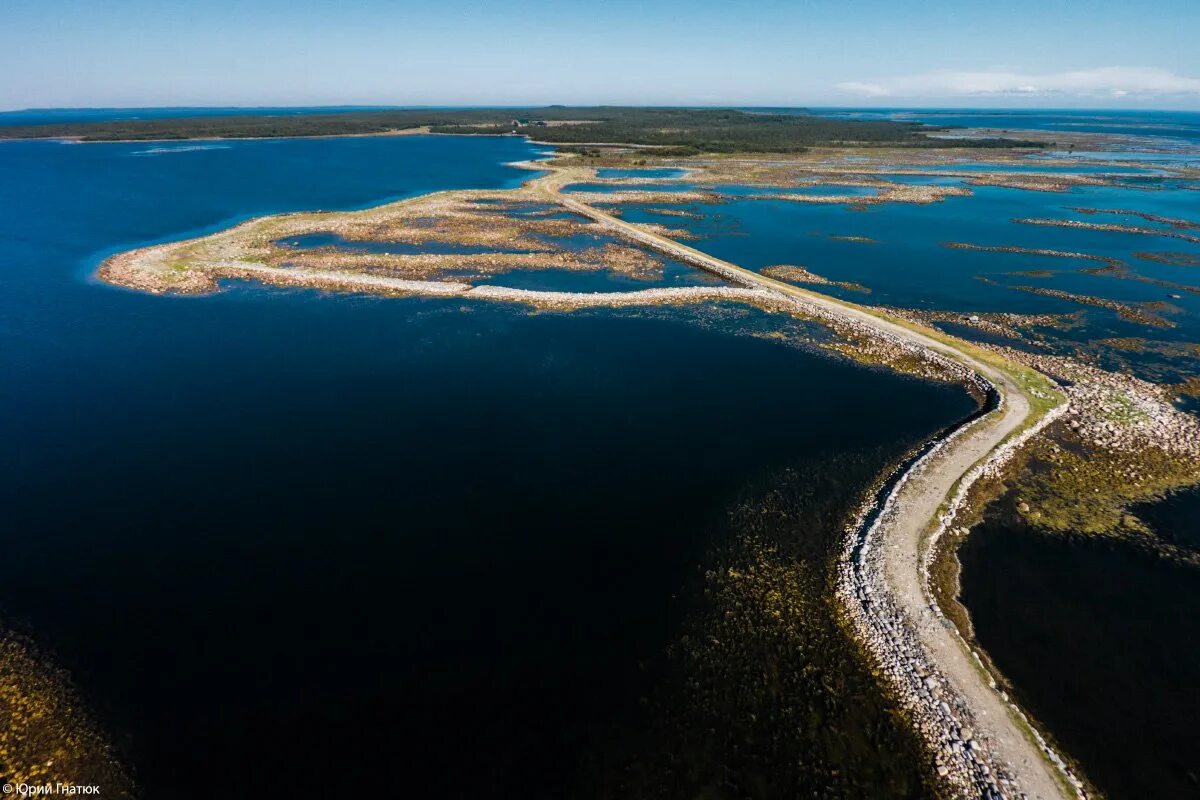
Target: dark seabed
[1100, 640]
[285, 540]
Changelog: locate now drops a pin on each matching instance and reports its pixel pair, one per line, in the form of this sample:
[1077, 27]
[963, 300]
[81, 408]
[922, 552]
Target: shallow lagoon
[312, 241]
[907, 264]
[629, 187]
[610, 172]
[269, 529]
[674, 273]
[816, 190]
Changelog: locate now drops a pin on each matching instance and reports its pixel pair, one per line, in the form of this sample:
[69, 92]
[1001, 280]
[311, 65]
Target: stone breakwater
[992, 467]
[1107, 227]
[1034, 251]
[1127, 311]
[358, 282]
[1174, 222]
[794, 273]
[942, 722]
[942, 718]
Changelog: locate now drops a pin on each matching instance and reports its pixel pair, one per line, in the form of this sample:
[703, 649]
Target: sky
[1003, 54]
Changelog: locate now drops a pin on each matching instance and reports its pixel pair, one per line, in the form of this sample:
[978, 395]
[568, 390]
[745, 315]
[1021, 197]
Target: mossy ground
[1067, 486]
[45, 734]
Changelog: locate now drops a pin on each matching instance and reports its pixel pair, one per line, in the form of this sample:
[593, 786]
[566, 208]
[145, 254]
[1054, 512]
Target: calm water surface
[280, 537]
[908, 264]
[270, 529]
[1100, 641]
[671, 273]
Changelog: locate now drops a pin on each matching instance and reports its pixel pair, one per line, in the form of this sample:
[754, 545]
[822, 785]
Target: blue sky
[1105, 53]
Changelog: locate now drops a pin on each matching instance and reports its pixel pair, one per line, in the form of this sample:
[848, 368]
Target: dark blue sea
[289, 543]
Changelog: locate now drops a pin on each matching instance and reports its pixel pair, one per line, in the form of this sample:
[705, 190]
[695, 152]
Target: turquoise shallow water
[271, 529]
[608, 172]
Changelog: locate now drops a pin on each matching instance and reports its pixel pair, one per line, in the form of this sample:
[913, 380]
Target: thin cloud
[861, 87]
[1101, 82]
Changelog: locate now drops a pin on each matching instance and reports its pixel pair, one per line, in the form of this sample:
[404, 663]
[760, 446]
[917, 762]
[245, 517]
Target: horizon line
[427, 106]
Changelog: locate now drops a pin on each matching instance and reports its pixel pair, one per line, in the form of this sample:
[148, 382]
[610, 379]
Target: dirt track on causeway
[1001, 755]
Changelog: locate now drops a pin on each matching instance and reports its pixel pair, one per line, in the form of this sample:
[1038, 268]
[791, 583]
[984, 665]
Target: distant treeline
[682, 129]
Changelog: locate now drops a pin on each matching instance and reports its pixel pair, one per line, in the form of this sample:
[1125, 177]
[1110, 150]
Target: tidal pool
[551, 279]
[312, 241]
[609, 172]
[608, 188]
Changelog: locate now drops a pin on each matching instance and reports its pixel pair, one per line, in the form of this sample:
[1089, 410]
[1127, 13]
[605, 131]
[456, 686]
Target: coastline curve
[979, 741]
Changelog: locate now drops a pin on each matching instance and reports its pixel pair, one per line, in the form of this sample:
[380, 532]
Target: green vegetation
[684, 131]
[1070, 487]
[1044, 395]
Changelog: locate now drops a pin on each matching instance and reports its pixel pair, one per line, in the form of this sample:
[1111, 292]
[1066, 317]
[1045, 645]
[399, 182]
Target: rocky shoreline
[942, 718]
[1108, 227]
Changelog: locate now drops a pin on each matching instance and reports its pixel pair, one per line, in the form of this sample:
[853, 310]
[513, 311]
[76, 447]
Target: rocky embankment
[1108, 227]
[880, 610]
[962, 757]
